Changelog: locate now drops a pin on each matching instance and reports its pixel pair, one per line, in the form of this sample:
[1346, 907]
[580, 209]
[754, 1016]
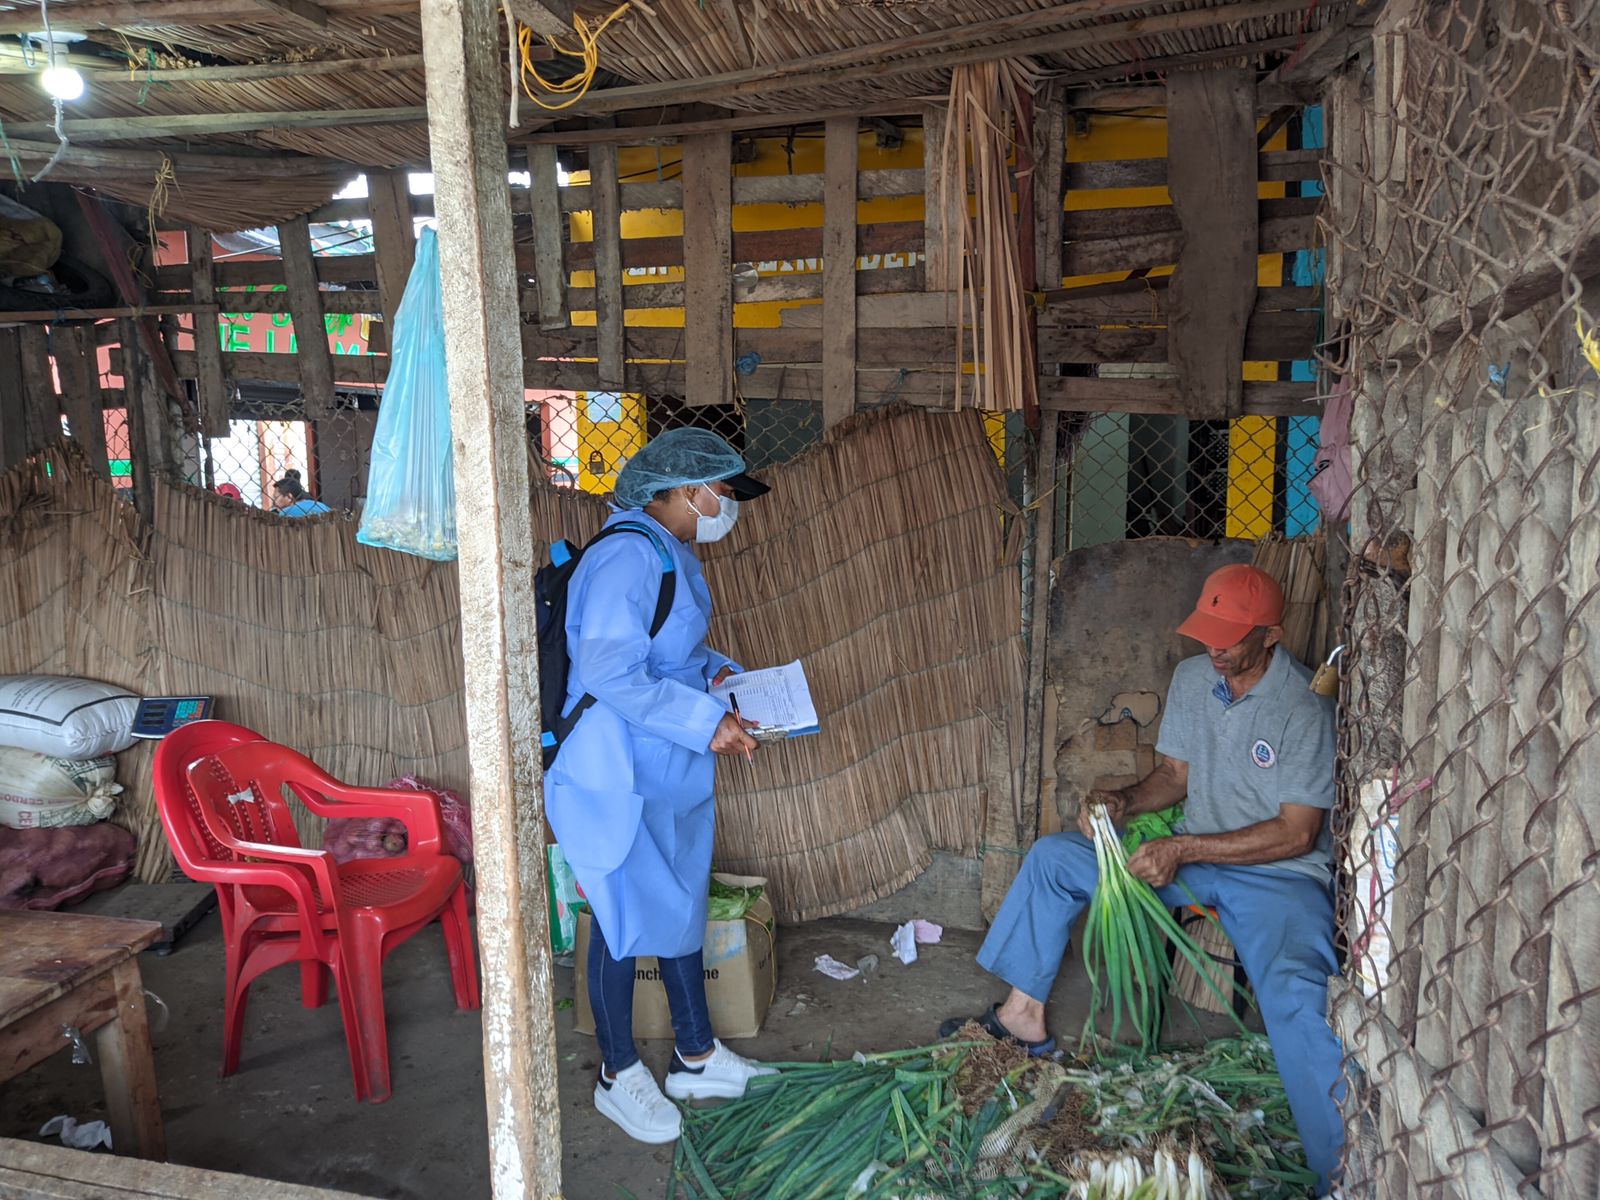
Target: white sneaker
[723, 1076]
[634, 1102]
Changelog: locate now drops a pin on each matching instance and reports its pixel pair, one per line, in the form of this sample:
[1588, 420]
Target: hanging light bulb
[61, 83]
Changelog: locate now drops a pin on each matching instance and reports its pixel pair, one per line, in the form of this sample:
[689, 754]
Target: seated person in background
[290, 498]
[1252, 748]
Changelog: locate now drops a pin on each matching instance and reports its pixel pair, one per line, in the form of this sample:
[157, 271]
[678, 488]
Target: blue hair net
[677, 457]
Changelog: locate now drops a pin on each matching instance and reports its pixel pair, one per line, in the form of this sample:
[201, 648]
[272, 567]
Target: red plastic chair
[219, 789]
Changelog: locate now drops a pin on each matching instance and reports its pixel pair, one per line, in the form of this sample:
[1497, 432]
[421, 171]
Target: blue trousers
[611, 1000]
[1281, 926]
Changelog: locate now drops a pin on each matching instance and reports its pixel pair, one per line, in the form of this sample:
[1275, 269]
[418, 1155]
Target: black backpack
[550, 585]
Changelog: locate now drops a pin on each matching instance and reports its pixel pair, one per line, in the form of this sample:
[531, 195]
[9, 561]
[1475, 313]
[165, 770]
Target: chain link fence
[1462, 237]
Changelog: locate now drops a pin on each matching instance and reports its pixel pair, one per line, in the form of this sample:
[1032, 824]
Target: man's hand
[1116, 806]
[722, 675]
[730, 736]
[1157, 861]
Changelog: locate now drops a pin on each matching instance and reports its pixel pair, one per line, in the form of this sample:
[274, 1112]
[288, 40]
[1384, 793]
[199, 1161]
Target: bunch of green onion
[1125, 941]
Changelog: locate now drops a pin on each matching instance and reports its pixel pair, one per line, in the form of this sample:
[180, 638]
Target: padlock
[1325, 682]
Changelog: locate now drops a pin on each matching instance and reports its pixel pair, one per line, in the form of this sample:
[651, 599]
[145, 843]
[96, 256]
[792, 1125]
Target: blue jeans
[1281, 926]
[611, 999]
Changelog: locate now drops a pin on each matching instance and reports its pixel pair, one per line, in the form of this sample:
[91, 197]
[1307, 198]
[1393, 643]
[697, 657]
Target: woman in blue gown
[630, 794]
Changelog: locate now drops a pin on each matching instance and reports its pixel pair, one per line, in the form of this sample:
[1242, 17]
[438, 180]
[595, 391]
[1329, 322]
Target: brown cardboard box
[741, 974]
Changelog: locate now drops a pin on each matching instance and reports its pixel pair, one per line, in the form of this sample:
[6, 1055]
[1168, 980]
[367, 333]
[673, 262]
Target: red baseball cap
[1234, 601]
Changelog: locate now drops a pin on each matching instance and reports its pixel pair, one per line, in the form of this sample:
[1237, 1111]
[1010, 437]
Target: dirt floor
[289, 1112]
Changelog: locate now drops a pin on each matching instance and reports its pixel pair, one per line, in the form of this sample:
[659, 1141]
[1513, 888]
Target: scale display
[158, 716]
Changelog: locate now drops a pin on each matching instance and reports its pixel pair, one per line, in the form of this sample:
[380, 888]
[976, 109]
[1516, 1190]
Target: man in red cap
[1249, 748]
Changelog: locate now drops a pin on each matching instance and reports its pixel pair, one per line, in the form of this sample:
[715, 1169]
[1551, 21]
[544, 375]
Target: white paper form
[778, 698]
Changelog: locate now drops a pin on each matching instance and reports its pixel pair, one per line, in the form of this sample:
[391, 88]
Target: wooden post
[1049, 175]
[209, 382]
[942, 210]
[1211, 172]
[549, 271]
[337, 464]
[13, 403]
[78, 364]
[42, 411]
[1044, 539]
[150, 425]
[707, 269]
[394, 240]
[607, 211]
[840, 156]
[127, 1069]
[499, 629]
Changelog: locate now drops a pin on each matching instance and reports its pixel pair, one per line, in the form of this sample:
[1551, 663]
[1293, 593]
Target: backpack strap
[552, 739]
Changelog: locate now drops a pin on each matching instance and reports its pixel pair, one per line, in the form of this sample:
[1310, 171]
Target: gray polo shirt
[1272, 746]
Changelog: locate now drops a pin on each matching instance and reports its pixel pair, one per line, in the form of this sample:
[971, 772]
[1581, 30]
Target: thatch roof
[304, 128]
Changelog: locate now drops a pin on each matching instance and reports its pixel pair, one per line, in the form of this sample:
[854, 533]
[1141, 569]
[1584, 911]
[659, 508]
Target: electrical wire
[588, 53]
[61, 133]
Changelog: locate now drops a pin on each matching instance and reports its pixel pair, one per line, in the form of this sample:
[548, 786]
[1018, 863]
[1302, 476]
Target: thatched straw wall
[877, 559]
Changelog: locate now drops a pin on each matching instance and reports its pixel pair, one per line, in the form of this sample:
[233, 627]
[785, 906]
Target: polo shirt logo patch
[1262, 754]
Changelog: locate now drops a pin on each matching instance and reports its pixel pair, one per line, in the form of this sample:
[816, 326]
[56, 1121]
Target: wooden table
[62, 969]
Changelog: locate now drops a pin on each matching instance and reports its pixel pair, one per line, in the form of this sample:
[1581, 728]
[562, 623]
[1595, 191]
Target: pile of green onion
[1125, 938]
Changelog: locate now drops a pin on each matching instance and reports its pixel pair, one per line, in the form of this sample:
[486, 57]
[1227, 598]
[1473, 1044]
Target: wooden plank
[891, 284]
[1270, 337]
[1101, 256]
[648, 130]
[132, 14]
[78, 364]
[128, 1070]
[1267, 399]
[13, 401]
[42, 407]
[29, 1040]
[38, 1171]
[147, 417]
[1460, 1148]
[1272, 165]
[1034, 800]
[1049, 182]
[1145, 302]
[499, 624]
[608, 263]
[394, 242]
[305, 303]
[552, 18]
[124, 129]
[942, 207]
[841, 153]
[1212, 165]
[257, 72]
[548, 226]
[212, 389]
[708, 266]
[1098, 223]
[757, 246]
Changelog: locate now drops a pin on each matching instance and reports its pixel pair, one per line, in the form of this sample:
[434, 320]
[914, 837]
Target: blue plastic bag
[411, 483]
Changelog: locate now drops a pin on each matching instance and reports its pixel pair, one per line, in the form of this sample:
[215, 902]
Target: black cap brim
[746, 487]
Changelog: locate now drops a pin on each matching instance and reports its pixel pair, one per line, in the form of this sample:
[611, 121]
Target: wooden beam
[670, 132]
[1324, 52]
[135, 14]
[708, 268]
[1115, 72]
[78, 365]
[1273, 165]
[1089, 224]
[126, 129]
[841, 152]
[13, 401]
[1270, 337]
[1277, 235]
[140, 163]
[298, 12]
[1145, 302]
[552, 18]
[349, 370]
[549, 274]
[394, 242]
[607, 263]
[499, 624]
[1157, 396]
[212, 388]
[1211, 157]
[140, 78]
[878, 284]
[305, 303]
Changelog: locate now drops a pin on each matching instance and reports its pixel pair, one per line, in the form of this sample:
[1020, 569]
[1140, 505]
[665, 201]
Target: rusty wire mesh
[1461, 229]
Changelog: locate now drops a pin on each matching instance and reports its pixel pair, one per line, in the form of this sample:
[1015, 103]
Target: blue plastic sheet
[411, 484]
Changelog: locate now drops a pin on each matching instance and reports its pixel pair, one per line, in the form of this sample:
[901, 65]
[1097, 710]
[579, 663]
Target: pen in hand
[734, 700]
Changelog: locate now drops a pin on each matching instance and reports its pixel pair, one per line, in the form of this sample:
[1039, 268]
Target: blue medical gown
[630, 795]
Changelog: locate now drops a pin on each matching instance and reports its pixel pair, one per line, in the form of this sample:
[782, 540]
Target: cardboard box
[741, 967]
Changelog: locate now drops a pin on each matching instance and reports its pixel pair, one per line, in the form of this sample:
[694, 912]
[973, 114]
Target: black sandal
[989, 1022]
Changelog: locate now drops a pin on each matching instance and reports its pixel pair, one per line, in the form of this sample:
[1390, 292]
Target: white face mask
[714, 529]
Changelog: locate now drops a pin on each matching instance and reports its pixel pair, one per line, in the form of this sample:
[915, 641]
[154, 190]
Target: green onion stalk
[1125, 940]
